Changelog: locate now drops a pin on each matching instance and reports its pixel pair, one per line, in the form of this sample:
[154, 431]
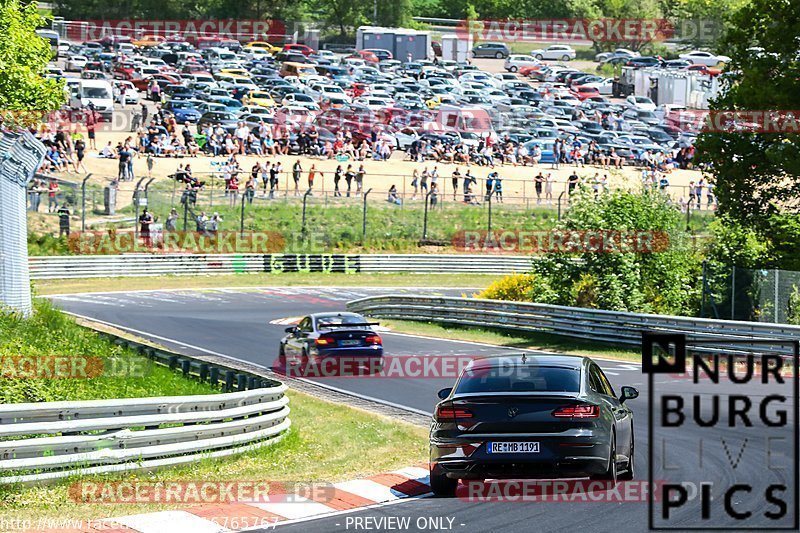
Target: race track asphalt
[236, 323]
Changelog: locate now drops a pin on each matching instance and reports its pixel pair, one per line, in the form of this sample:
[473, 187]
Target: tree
[661, 278]
[23, 61]
[347, 15]
[756, 173]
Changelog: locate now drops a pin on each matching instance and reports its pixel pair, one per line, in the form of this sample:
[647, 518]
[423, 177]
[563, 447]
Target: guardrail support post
[83, 202]
[303, 227]
[229, 380]
[425, 217]
[489, 205]
[688, 217]
[241, 222]
[213, 376]
[241, 382]
[137, 197]
[186, 366]
[364, 220]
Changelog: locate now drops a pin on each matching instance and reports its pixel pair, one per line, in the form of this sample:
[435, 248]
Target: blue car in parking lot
[183, 110]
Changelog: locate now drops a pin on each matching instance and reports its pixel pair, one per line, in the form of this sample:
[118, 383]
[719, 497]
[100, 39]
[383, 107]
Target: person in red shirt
[233, 190]
[52, 191]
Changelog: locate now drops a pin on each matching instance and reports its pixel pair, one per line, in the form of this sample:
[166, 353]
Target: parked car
[496, 50]
[516, 61]
[619, 52]
[556, 52]
[704, 58]
[643, 62]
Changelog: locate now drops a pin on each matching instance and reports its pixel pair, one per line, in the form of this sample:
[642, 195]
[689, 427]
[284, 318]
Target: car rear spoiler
[357, 324]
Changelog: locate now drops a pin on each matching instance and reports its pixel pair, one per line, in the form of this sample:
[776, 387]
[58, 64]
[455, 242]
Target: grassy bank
[517, 340]
[102, 369]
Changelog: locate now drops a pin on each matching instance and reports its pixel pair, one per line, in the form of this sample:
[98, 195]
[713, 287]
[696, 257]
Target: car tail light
[452, 413]
[325, 341]
[577, 411]
[373, 339]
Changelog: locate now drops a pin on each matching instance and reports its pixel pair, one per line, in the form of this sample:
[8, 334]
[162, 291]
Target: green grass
[315, 449]
[285, 279]
[51, 333]
[517, 340]
[337, 227]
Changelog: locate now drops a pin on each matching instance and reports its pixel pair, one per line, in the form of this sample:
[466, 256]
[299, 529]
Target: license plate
[354, 342]
[513, 447]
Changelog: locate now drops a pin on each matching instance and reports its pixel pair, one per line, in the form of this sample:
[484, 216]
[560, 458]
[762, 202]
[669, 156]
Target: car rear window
[338, 320]
[519, 378]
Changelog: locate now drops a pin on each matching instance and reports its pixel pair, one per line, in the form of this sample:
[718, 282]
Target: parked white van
[97, 92]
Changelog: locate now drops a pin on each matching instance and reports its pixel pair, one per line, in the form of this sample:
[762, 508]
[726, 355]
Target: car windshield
[95, 92]
[518, 378]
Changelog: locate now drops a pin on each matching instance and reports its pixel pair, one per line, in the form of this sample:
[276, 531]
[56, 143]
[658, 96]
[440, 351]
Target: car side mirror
[444, 393]
[628, 393]
[291, 329]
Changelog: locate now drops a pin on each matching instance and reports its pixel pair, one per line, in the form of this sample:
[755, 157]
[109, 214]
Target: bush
[664, 281]
[516, 288]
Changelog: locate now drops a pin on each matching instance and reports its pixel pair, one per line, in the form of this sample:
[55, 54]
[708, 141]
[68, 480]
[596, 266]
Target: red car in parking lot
[303, 49]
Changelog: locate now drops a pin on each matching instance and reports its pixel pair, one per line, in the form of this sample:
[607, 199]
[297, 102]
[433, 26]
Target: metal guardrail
[619, 328]
[102, 436]
[89, 266]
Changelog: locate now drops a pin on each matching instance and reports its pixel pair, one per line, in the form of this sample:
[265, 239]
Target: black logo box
[672, 359]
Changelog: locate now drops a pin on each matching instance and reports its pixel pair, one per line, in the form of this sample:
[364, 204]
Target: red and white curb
[221, 518]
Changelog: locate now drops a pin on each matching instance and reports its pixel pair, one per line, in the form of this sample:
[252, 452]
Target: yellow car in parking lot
[440, 99]
[236, 72]
[271, 48]
[259, 98]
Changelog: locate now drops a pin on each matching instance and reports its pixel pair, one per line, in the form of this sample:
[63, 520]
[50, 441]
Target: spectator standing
[454, 178]
[572, 182]
[538, 182]
[548, 188]
[52, 192]
[360, 180]
[145, 220]
[312, 174]
[297, 171]
[63, 220]
[348, 178]
[172, 220]
[337, 176]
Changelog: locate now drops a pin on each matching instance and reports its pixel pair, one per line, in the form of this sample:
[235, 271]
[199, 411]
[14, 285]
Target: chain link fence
[759, 295]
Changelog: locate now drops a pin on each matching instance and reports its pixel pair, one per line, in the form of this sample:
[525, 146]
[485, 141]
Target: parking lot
[255, 103]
